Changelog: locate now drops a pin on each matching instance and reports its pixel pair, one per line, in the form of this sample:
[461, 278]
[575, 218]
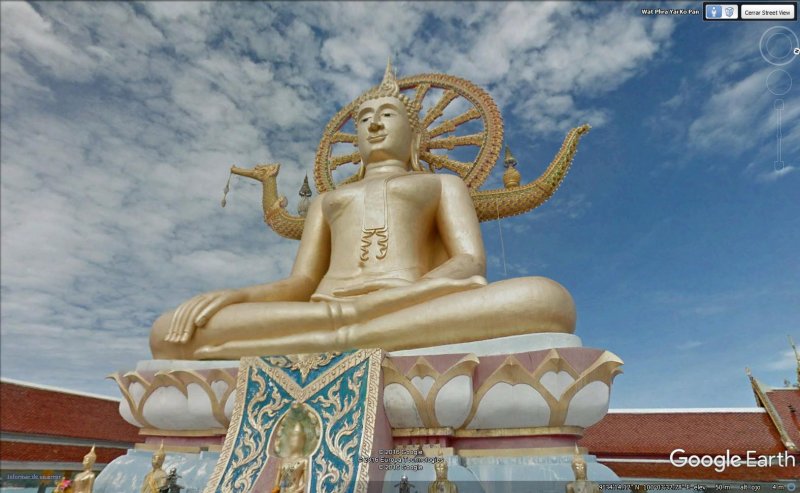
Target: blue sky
[675, 231]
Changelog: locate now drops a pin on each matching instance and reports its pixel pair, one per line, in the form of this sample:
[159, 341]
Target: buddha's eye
[387, 114]
[365, 119]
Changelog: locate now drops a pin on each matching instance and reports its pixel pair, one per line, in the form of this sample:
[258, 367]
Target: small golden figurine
[293, 472]
[294, 445]
[581, 483]
[84, 481]
[156, 479]
[442, 484]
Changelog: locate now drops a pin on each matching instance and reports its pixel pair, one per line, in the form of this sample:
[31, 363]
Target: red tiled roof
[657, 434]
[46, 452]
[38, 411]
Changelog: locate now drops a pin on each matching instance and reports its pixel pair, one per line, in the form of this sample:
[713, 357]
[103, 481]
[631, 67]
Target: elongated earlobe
[415, 142]
[362, 170]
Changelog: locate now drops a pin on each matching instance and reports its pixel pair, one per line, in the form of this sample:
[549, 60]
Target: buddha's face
[441, 470]
[88, 462]
[384, 131]
[157, 461]
[579, 468]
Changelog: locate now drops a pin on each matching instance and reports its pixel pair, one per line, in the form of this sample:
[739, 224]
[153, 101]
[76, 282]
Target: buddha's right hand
[196, 312]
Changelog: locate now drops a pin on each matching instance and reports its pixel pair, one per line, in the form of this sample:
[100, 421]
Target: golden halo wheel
[436, 134]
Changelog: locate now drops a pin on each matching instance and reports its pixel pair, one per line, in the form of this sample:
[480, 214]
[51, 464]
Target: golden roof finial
[511, 176]
[509, 160]
[305, 189]
[305, 198]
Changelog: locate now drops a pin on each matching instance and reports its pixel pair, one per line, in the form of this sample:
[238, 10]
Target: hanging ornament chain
[226, 190]
[502, 244]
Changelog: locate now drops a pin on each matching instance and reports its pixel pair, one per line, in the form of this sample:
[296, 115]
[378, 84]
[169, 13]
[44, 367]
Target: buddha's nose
[375, 126]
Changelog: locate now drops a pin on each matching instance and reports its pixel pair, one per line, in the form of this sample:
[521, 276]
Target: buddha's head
[578, 465]
[296, 439]
[387, 125]
[158, 457]
[89, 459]
[441, 469]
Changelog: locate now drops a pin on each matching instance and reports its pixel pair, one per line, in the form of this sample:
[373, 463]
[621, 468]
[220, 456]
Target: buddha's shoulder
[450, 183]
[443, 179]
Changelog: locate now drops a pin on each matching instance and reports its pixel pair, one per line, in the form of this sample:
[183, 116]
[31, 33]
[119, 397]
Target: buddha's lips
[376, 138]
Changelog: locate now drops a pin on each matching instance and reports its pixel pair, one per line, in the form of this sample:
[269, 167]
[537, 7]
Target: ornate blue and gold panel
[311, 415]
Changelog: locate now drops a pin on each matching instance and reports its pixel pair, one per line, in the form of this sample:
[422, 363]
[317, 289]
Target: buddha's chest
[373, 203]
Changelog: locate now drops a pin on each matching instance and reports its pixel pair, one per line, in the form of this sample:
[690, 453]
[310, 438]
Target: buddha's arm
[460, 232]
[309, 267]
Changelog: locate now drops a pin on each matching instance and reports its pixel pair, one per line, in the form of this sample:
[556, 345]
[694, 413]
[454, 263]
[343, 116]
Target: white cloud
[115, 148]
[775, 174]
[688, 345]
[726, 110]
[786, 361]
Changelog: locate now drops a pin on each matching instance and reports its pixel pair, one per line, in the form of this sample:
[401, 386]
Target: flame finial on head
[389, 82]
[160, 453]
[578, 456]
[91, 455]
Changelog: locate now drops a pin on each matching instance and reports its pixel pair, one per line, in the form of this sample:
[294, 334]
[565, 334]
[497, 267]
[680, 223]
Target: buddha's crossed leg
[505, 308]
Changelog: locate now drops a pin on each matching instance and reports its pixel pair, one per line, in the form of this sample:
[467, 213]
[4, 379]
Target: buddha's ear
[362, 170]
[416, 140]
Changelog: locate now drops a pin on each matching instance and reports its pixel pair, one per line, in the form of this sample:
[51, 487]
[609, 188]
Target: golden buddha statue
[441, 484]
[292, 474]
[581, 483]
[156, 479]
[393, 259]
[84, 481]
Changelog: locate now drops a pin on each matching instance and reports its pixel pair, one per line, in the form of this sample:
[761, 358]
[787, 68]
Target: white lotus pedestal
[506, 414]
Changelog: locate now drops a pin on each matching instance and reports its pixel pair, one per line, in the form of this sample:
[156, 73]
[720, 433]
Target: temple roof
[34, 409]
[657, 434]
[637, 443]
[782, 405]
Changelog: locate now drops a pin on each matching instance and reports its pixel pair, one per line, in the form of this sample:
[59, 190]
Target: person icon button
[713, 11]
